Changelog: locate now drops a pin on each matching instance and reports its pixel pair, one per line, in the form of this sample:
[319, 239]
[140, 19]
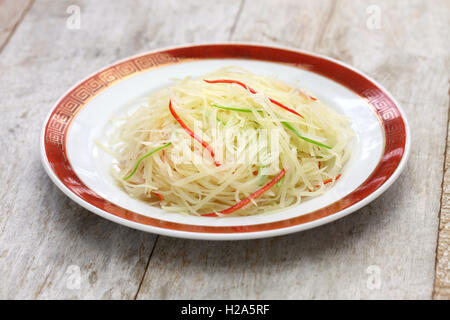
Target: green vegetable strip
[148, 154]
[278, 184]
[287, 125]
[233, 109]
[261, 177]
[221, 121]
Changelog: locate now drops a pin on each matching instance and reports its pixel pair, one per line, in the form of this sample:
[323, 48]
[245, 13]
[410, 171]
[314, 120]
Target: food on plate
[230, 143]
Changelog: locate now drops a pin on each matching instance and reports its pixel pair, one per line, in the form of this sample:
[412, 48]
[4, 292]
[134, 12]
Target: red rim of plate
[389, 113]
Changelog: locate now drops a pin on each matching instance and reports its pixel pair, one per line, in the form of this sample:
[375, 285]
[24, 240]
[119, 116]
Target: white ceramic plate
[81, 170]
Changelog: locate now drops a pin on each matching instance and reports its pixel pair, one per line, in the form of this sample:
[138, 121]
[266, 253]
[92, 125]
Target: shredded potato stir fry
[230, 143]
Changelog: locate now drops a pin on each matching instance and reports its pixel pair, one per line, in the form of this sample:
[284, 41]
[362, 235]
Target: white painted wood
[11, 13]
[393, 240]
[44, 237]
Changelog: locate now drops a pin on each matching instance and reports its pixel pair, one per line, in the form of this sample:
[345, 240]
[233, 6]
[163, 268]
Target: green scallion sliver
[233, 109]
[290, 127]
[148, 154]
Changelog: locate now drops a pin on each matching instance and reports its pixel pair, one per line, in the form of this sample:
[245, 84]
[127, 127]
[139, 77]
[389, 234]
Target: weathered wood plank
[442, 278]
[385, 250]
[46, 240]
[11, 13]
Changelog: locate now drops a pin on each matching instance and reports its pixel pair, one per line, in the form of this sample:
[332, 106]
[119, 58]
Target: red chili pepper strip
[192, 134]
[331, 180]
[231, 81]
[284, 107]
[319, 165]
[300, 92]
[158, 195]
[326, 182]
[247, 200]
[254, 91]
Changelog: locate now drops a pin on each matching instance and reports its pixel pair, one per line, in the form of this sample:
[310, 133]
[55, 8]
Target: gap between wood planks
[13, 30]
[442, 231]
[323, 27]
[236, 19]
[146, 267]
[233, 28]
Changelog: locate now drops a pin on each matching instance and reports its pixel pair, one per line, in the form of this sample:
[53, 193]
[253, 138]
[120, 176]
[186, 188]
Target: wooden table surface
[396, 247]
